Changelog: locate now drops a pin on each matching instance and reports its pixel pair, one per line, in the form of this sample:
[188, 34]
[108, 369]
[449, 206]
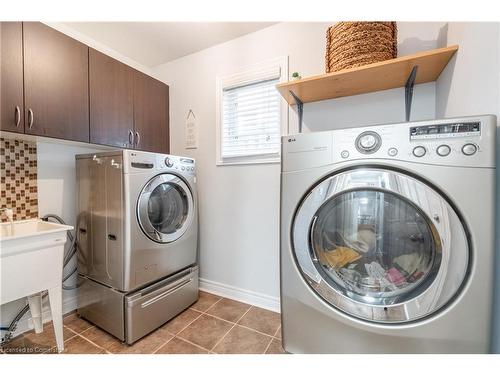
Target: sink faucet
[9, 214]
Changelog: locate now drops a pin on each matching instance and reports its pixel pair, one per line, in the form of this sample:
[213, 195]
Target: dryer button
[419, 151]
[469, 149]
[344, 154]
[443, 150]
[392, 151]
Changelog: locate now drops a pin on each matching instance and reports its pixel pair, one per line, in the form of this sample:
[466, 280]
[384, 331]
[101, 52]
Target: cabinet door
[151, 117]
[11, 77]
[55, 84]
[111, 101]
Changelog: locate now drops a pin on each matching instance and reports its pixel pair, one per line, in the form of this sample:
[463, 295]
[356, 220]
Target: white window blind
[251, 123]
[252, 115]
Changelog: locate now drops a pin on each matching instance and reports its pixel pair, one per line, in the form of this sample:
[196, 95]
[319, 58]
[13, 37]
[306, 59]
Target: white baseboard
[247, 296]
[26, 324]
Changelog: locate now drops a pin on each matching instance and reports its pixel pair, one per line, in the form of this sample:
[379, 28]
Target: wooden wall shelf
[369, 78]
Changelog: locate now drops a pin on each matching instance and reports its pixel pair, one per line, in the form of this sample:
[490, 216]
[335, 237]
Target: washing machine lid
[380, 245]
[165, 208]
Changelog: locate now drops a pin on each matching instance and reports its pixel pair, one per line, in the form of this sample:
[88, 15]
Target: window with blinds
[250, 126]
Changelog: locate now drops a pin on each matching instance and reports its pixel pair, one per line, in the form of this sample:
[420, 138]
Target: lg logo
[291, 139]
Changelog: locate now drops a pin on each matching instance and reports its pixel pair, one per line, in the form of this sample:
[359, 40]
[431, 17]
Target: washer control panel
[466, 141]
[446, 130]
[446, 139]
[176, 163]
[150, 162]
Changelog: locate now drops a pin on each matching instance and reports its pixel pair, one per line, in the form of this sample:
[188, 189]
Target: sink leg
[35, 303]
[55, 298]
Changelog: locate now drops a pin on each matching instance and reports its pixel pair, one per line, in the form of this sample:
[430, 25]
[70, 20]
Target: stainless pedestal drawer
[130, 317]
[101, 305]
[149, 308]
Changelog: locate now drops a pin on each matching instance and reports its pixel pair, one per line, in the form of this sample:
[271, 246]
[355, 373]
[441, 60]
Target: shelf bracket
[300, 109]
[409, 91]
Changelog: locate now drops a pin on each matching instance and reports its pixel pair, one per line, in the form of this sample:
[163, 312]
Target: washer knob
[443, 150]
[469, 149]
[168, 162]
[368, 142]
[419, 151]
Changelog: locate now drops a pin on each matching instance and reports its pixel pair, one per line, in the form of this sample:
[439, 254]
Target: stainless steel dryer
[387, 238]
[137, 239]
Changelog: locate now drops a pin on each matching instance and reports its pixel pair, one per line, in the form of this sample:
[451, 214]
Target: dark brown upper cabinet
[55, 84]
[151, 114]
[111, 101]
[11, 77]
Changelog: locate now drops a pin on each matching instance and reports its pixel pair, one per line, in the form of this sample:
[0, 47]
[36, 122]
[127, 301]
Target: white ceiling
[155, 43]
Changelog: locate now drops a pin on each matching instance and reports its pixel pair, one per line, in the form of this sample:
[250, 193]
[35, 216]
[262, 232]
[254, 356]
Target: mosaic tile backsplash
[18, 178]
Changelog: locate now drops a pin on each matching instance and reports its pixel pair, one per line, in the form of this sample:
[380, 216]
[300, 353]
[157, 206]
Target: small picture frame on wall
[191, 131]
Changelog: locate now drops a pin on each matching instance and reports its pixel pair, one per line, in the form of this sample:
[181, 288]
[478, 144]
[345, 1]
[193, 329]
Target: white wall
[470, 85]
[239, 205]
[56, 185]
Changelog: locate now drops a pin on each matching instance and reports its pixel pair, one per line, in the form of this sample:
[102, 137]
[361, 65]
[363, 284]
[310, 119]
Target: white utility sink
[29, 228]
[31, 261]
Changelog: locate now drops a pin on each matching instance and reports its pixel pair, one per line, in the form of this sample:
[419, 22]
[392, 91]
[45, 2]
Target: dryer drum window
[381, 245]
[165, 208]
[375, 247]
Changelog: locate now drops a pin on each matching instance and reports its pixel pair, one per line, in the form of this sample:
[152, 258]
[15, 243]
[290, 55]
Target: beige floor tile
[75, 323]
[179, 346]
[78, 345]
[103, 339]
[275, 347]
[241, 340]
[147, 345]
[205, 331]
[181, 321]
[205, 301]
[261, 320]
[278, 333]
[228, 309]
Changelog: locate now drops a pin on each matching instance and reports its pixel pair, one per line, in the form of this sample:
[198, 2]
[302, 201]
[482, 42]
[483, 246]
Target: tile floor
[212, 325]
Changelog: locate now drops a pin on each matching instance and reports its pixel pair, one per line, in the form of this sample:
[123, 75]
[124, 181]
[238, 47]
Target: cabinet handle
[18, 116]
[31, 118]
[131, 138]
[138, 136]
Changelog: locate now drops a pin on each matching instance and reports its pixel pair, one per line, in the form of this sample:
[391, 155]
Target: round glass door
[375, 247]
[380, 245]
[165, 208]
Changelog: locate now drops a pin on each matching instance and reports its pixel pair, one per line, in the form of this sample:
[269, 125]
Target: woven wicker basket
[351, 44]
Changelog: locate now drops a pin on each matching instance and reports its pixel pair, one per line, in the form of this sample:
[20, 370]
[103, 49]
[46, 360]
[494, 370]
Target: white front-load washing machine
[387, 238]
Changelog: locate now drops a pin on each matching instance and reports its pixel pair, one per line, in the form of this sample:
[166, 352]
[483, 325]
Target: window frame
[245, 76]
